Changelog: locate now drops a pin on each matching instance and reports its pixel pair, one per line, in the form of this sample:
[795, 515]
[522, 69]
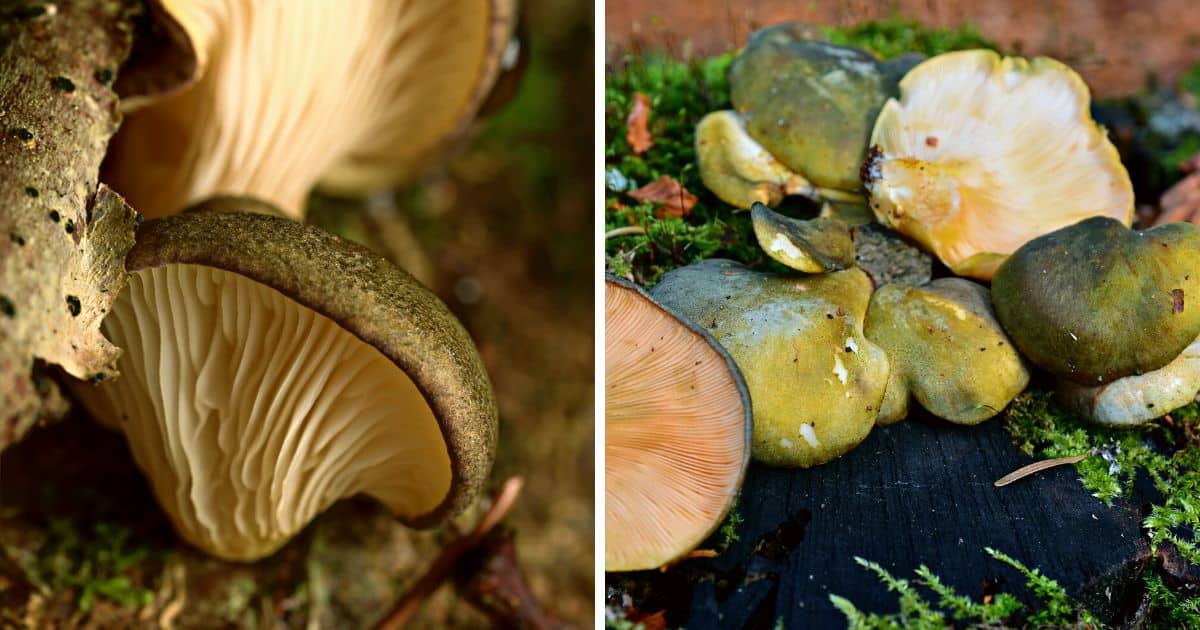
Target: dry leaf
[1182, 201]
[63, 236]
[636, 131]
[676, 201]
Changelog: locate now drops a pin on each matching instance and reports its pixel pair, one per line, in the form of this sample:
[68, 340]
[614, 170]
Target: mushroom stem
[624, 231]
[443, 567]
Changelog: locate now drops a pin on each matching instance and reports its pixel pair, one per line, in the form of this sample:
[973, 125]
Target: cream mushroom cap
[982, 153]
[271, 369]
[677, 432]
[357, 95]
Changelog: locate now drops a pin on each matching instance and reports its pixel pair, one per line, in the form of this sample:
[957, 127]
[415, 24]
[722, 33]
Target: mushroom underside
[676, 437]
[250, 413]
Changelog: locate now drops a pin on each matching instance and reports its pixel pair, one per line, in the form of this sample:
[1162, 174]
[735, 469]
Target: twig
[494, 584]
[444, 565]
[1025, 471]
[624, 231]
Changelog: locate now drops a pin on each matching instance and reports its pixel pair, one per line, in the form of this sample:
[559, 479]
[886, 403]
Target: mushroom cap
[271, 368]
[815, 379]
[982, 153]
[814, 246]
[739, 170]
[1136, 399]
[1096, 301]
[359, 95]
[810, 103]
[677, 431]
[946, 349]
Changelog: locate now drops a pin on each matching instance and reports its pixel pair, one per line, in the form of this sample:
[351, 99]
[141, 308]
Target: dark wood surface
[919, 492]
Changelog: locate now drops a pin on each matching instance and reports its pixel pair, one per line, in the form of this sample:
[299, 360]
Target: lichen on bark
[63, 235]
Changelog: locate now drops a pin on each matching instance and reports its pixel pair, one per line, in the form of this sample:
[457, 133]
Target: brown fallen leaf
[676, 201]
[1182, 201]
[637, 134]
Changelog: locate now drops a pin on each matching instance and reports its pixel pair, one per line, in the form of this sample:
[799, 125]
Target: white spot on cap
[851, 344]
[782, 245]
[839, 369]
[785, 443]
[809, 435]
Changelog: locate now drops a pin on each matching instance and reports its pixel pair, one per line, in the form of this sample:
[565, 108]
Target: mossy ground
[1167, 452]
[505, 234]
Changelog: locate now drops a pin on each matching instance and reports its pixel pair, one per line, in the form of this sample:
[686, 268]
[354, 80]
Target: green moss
[96, 564]
[1167, 451]
[1055, 608]
[895, 36]
[680, 94]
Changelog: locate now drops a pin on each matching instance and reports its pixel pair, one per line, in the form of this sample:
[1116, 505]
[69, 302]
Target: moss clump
[96, 564]
[895, 36]
[680, 95]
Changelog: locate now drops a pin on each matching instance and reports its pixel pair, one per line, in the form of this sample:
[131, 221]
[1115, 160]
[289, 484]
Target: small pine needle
[1025, 471]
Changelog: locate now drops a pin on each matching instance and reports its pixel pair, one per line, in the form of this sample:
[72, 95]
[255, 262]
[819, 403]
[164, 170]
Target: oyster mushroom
[358, 96]
[946, 349]
[814, 246]
[677, 432]
[815, 379]
[982, 153]
[1135, 399]
[802, 115]
[1096, 301]
[271, 369]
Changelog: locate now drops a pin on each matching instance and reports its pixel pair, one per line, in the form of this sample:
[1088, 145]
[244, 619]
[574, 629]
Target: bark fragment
[63, 235]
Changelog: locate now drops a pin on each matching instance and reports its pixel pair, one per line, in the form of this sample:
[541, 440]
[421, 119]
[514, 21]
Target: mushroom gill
[358, 95]
[983, 153]
[676, 432]
[250, 413]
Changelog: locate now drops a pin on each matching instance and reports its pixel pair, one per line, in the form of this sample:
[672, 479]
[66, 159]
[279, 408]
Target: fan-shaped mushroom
[270, 369]
[982, 153]
[677, 431]
[358, 95]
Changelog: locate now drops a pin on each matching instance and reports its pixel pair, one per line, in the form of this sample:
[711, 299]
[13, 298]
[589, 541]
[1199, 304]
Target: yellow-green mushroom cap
[814, 246]
[1096, 301]
[271, 369]
[739, 170]
[1137, 399]
[816, 381]
[946, 349]
[982, 153]
[677, 431]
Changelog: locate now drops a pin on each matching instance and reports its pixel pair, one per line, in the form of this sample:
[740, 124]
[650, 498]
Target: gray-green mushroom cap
[946, 349]
[811, 104]
[815, 379]
[1096, 301]
[813, 246]
[271, 368]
